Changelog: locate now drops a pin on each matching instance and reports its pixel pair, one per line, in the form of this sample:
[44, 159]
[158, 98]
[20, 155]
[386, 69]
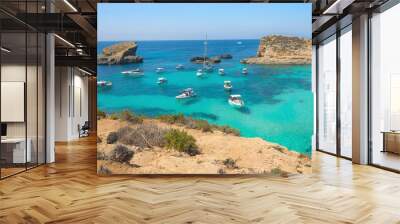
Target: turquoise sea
[278, 99]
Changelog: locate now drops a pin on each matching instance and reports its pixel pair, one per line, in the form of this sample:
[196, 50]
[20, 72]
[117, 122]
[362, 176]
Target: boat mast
[205, 52]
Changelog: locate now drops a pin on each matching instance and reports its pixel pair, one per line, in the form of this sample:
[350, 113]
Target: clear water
[278, 99]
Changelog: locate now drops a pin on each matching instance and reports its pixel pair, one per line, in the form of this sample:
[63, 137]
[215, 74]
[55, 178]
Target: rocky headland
[277, 49]
[120, 53]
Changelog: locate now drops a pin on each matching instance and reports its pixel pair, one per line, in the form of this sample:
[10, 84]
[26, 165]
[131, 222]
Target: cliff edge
[120, 53]
[276, 49]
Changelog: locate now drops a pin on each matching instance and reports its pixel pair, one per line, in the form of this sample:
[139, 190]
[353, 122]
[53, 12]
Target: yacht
[179, 67]
[199, 73]
[133, 71]
[162, 80]
[221, 71]
[244, 71]
[228, 85]
[236, 101]
[186, 93]
[160, 70]
[103, 83]
[239, 42]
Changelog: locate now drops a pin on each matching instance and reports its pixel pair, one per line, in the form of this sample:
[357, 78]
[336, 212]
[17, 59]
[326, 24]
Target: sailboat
[206, 66]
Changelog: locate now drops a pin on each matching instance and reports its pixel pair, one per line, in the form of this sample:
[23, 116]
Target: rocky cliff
[120, 53]
[276, 49]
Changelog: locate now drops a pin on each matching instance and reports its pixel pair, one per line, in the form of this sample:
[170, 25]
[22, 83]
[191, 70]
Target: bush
[121, 154]
[103, 170]
[278, 172]
[228, 130]
[173, 119]
[181, 141]
[101, 155]
[130, 117]
[100, 114]
[112, 138]
[203, 125]
[144, 135]
[114, 116]
[230, 163]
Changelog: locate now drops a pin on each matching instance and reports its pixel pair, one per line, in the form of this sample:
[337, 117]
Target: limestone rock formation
[276, 49]
[120, 53]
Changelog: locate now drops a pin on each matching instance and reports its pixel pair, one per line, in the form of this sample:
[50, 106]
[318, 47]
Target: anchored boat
[162, 80]
[221, 71]
[160, 70]
[236, 101]
[186, 93]
[228, 85]
[103, 83]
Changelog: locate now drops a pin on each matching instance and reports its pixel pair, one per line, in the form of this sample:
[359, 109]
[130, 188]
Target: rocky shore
[276, 49]
[218, 152]
[120, 53]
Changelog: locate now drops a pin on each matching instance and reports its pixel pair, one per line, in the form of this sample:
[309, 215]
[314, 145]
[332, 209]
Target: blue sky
[124, 21]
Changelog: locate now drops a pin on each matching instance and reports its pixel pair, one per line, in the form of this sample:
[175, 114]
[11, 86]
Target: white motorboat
[245, 71]
[221, 71]
[160, 70]
[179, 67]
[103, 83]
[236, 101]
[186, 93]
[162, 80]
[199, 73]
[239, 42]
[228, 85]
[133, 71]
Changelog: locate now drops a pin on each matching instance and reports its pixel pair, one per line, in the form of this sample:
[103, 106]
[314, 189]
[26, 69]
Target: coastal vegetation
[180, 144]
[198, 124]
[181, 141]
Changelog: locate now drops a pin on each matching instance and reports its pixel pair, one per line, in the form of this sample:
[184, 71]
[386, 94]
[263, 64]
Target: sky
[167, 21]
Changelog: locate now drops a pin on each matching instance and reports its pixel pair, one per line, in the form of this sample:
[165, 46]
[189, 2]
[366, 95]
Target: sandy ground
[251, 155]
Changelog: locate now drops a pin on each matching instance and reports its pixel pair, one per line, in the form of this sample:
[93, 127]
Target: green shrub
[112, 138]
[203, 125]
[100, 114]
[230, 163]
[181, 141]
[121, 154]
[114, 116]
[279, 172]
[173, 119]
[127, 115]
[228, 130]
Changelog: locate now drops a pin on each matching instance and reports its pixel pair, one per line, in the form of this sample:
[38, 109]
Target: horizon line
[181, 39]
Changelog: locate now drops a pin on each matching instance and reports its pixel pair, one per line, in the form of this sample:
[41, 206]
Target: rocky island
[120, 53]
[277, 49]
